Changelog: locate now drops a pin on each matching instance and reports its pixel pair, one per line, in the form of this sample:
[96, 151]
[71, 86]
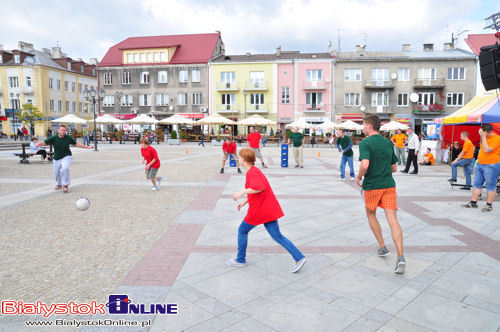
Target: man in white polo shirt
[413, 148]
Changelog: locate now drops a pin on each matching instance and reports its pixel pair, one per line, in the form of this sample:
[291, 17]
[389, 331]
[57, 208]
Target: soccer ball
[82, 203]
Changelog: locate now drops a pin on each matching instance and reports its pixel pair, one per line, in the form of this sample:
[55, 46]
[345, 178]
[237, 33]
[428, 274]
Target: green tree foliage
[30, 114]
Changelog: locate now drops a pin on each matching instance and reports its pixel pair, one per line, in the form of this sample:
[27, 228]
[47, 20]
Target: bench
[25, 155]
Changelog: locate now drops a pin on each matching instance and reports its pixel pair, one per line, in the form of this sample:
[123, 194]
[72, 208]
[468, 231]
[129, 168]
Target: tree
[30, 114]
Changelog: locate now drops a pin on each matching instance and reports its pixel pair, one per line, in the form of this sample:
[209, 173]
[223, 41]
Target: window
[13, 82]
[58, 85]
[256, 98]
[86, 107]
[126, 100]
[228, 99]
[51, 83]
[136, 57]
[150, 57]
[161, 99]
[352, 75]
[352, 99]
[380, 74]
[426, 98]
[313, 75]
[256, 77]
[143, 57]
[86, 87]
[73, 106]
[81, 68]
[17, 58]
[195, 75]
[314, 98]
[108, 78]
[144, 100]
[456, 73]
[68, 64]
[73, 86]
[427, 73]
[285, 73]
[130, 58]
[80, 107]
[126, 77]
[163, 57]
[66, 84]
[28, 81]
[455, 99]
[15, 104]
[182, 99]
[67, 107]
[145, 77]
[59, 106]
[403, 74]
[183, 76]
[79, 87]
[402, 99]
[162, 77]
[156, 57]
[52, 104]
[227, 77]
[29, 101]
[380, 99]
[109, 101]
[285, 95]
[197, 99]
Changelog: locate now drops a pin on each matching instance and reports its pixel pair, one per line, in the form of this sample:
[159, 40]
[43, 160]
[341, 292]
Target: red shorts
[384, 198]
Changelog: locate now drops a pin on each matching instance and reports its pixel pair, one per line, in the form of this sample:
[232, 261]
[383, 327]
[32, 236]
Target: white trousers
[61, 170]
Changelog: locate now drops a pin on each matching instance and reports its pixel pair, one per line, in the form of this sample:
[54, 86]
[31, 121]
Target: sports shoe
[57, 187]
[400, 265]
[298, 265]
[65, 189]
[382, 252]
[296, 166]
[221, 170]
[301, 166]
[469, 205]
[415, 173]
[341, 179]
[452, 180]
[159, 180]
[154, 188]
[404, 172]
[239, 171]
[352, 179]
[232, 262]
[264, 166]
[487, 208]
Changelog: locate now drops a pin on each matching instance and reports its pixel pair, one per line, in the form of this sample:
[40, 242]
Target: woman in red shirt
[263, 208]
[150, 158]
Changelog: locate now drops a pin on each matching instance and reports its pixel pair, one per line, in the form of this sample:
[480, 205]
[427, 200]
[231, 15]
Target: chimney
[406, 47]
[428, 47]
[360, 48]
[25, 47]
[331, 50]
[56, 52]
[47, 51]
[449, 46]
[93, 61]
[278, 51]
[248, 54]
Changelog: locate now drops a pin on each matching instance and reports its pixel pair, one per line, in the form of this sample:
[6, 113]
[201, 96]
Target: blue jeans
[468, 165]
[86, 140]
[273, 229]
[488, 174]
[342, 166]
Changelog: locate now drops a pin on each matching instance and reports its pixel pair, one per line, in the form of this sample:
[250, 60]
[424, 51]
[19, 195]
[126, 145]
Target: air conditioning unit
[203, 109]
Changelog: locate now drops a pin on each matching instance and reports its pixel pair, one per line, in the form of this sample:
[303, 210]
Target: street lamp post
[245, 93]
[93, 96]
[119, 102]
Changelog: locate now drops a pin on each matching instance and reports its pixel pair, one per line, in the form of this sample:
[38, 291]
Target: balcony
[437, 83]
[380, 110]
[431, 109]
[227, 108]
[27, 90]
[314, 85]
[314, 109]
[227, 86]
[256, 86]
[375, 84]
[259, 108]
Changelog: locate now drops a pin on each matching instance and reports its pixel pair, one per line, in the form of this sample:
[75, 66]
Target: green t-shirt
[297, 139]
[380, 153]
[61, 145]
[344, 143]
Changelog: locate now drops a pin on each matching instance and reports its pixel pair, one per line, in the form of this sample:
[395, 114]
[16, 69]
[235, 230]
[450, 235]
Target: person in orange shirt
[399, 141]
[487, 168]
[429, 158]
[464, 159]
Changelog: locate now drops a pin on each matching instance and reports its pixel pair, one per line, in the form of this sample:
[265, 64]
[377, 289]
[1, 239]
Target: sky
[86, 29]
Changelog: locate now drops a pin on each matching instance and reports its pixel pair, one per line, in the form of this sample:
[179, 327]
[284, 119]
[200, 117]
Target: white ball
[82, 203]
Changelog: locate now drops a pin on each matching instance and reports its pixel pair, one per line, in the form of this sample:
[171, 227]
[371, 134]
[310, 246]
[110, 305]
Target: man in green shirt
[344, 145]
[62, 156]
[378, 162]
[298, 140]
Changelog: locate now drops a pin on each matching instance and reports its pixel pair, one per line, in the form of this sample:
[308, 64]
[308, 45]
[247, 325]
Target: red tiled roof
[476, 41]
[195, 48]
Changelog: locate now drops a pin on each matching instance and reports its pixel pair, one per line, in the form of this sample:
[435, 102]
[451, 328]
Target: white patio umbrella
[256, 120]
[70, 118]
[214, 119]
[106, 119]
[328, 125]
[350, 125]
[142, 119]
[301, 124]
[176, 119]
[393, 125]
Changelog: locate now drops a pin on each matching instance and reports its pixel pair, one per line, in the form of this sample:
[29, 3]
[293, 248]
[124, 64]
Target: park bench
[25, 155]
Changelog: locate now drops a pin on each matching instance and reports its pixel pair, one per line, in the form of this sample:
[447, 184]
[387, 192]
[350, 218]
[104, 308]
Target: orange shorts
[385, 198]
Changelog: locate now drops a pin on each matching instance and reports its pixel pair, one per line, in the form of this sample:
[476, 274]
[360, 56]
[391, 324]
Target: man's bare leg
[397, 233]
[375, 226]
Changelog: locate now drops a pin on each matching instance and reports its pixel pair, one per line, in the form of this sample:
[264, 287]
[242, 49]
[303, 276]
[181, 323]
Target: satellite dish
[414, 97]
[362, 108]
[394, 76]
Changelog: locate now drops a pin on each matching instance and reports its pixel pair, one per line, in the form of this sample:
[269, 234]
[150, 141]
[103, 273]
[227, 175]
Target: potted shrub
[184, 136]
[159, 135]
[120, 134]
[173, 139]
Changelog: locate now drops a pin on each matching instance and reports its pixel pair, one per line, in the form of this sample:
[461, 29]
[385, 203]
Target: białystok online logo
[117, 304]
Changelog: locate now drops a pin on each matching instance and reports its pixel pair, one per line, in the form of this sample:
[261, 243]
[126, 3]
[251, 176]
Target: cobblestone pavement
[170, 246]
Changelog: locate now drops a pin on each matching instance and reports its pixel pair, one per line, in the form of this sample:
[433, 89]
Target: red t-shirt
[262, 207]
[253, 139]
[229, 148]
[149, 154]
[25, 131]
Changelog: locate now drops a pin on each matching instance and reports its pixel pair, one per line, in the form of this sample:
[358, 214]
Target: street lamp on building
[93, 96]
[119, 96]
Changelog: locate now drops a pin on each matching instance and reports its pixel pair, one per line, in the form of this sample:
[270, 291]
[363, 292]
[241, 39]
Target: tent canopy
[301, 124]
[176, 119]
[70, 118]
[256, 120]
[481, 109]
[350, 125]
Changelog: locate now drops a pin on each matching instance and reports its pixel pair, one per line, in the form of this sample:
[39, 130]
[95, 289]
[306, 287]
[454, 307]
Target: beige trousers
[298, 153]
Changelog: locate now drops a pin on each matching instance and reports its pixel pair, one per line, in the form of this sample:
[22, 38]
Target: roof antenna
[365, 38]
[338, 40]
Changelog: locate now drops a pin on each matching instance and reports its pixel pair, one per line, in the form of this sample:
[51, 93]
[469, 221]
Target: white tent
[214, 119]
[106, 119]
[301, 124]
[175, 119]
[70, 118]
[256, 120]
[350, 125]
[393, 125]
[327, 125]
[142, 119]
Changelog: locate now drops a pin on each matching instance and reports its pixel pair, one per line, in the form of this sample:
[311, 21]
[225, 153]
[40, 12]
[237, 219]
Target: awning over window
[356, 117]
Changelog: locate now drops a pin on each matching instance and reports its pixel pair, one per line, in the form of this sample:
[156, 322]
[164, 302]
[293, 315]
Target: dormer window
[17, 58]
[81, 68]
[69, 65]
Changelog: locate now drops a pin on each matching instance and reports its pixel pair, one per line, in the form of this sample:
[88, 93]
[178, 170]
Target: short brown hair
[466, 134]
[248, 155]
[487, 127]
[374, 121]
[62, 126]
[144, 141]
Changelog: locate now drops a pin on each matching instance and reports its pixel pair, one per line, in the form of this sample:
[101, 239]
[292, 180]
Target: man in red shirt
[150, 157]
[254, 141]
[263, 208]
[229, 149]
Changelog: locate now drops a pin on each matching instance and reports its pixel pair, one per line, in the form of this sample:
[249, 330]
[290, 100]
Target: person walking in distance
[202, 138]
[413, 148]
[254, 141]
[464, 159]
[229, 149]
[150, 158]
[344, 145]
[85, 134]
[399, 141]
[62, 156]
[378, 162]
[487, 168]
[263, 208]
[298, 140]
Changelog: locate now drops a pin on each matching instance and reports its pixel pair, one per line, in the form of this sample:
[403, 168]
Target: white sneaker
[232, 262]
[352, 179]
[153, 188]
[341, 179]
[298, 265]
[159, 180]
